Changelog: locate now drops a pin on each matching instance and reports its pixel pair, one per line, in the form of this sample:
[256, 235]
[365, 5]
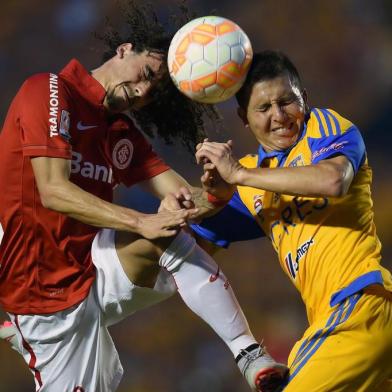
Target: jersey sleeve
[44, 107]
[232, 224]
[345, 139]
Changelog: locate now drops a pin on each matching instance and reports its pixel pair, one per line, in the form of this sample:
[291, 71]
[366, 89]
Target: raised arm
[327, 178]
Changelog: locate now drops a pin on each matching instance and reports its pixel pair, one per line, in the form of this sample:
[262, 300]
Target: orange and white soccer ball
[208, 59]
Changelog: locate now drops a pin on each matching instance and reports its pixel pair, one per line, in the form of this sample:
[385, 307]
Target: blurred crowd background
[343, 49]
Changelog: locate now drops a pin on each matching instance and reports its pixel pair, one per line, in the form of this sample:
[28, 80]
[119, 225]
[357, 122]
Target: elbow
[337, 186]
[48, 198]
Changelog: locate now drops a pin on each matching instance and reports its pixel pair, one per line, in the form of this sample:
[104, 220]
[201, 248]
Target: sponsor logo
[122, 153]
[293, 265]
[64, 125]
[81, 127]
[333, 146]
[297, 161]
[90, 170]
[53, 104]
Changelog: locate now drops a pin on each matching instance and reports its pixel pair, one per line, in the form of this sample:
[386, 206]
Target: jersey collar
[83, 82]
[280, 155]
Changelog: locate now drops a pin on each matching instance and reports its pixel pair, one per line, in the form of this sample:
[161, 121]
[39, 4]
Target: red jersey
[45, 256]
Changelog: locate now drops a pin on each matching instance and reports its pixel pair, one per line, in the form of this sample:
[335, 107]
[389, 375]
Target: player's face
[131, 79]
[275, 113]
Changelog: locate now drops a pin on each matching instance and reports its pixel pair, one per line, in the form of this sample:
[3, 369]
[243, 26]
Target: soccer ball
[208, 59]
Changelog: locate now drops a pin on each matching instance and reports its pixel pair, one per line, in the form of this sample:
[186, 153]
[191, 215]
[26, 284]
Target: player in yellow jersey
[308, 190]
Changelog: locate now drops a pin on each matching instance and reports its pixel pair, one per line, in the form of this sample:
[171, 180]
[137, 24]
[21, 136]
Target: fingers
[184, 194]
[207, 180]
[170, 203]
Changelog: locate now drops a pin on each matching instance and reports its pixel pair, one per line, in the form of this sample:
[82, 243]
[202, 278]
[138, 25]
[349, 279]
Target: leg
[200, 283]
[70, 350]
[349, 352]
[206, 291]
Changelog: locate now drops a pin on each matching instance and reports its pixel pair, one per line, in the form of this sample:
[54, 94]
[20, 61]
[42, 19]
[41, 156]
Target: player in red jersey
[72, 262]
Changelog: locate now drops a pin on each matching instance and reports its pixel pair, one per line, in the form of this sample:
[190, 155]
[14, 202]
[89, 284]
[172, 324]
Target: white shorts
[71, 350]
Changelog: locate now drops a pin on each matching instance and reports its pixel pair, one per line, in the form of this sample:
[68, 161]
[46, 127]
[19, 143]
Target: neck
[99, 74]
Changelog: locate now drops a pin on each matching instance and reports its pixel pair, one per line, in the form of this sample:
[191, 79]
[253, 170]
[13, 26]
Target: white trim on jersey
[1, 233]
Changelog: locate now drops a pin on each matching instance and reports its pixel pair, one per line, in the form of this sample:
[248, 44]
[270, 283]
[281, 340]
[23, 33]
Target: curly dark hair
[170, 114]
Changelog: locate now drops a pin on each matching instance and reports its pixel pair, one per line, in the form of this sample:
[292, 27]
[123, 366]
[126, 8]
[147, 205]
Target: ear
[242, 115]
[123, 49]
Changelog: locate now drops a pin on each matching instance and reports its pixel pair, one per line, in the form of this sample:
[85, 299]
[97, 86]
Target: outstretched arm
[59, 194]
[327, 178]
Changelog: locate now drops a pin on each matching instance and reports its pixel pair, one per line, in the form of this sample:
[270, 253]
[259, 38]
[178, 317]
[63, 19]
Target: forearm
[73, 201]
[311, 180]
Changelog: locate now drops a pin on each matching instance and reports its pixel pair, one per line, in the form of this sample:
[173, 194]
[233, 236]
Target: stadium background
[343, 51]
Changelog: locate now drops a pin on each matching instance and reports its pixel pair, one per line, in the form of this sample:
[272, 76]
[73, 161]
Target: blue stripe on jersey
[322, 130]
[349, 144]
[233, 223]
[321, 335]
[326, 117]
[365, 280]
[335, 120]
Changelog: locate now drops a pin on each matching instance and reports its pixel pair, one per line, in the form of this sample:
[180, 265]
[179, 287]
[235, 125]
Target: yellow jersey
[328, 247]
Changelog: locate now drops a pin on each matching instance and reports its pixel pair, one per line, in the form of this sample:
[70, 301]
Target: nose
[278, 112]
[142, 88]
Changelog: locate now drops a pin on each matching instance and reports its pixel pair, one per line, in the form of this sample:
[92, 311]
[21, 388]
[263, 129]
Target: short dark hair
[267, 65]
[170, 114]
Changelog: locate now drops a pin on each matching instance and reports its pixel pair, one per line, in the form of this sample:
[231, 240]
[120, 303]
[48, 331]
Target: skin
[128, 78]
[275, 115]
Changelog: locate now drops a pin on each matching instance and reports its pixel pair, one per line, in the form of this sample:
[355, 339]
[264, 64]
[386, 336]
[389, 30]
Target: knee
[133, 245]
[139, 257]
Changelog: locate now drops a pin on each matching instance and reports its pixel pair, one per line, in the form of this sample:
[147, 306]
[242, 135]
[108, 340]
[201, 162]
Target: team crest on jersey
[292, 265]
[297, 161]
[65, 121]
[122, 153]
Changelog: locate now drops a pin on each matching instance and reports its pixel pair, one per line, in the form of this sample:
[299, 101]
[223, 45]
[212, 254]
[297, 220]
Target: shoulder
[325, 123]
[44, 84]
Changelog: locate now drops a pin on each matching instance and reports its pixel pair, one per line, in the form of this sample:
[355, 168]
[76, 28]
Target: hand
[163, 224]
[218, 156]
[176, 201]
[213, 183]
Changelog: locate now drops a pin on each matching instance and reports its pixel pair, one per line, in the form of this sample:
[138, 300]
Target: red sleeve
[132, 155]
[44, 117]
